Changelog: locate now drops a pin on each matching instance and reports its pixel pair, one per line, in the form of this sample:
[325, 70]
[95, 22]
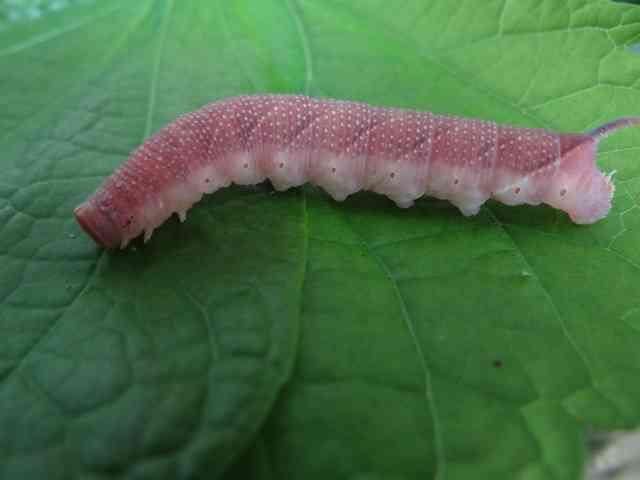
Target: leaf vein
[156, 67]
[39, 39]
[304, 40]
[428, 384]
[56, 320]
[565, 330]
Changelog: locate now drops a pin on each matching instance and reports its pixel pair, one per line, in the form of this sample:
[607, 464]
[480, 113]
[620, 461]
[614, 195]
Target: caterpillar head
[98, 224]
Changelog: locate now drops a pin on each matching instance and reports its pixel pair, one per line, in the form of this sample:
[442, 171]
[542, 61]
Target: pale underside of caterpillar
[345, 147]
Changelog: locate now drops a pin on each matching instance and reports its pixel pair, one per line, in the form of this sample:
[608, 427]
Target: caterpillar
[344, 147]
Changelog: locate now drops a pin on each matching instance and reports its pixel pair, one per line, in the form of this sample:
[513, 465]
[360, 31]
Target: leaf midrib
[429, 395]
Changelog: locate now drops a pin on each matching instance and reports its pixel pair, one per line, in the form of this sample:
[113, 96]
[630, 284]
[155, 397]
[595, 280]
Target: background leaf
[426, 345]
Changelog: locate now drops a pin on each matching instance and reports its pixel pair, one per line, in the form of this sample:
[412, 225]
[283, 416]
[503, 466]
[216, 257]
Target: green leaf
[159, 362]
[426, 344]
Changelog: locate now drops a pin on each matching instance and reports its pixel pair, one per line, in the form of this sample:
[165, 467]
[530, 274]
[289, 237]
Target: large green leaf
[426, 345]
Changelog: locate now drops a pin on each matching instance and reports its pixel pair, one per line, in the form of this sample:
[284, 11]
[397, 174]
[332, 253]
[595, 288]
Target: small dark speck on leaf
[497, 363]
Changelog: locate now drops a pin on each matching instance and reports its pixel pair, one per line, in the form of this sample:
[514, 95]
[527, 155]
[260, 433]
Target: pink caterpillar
[345, 147]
